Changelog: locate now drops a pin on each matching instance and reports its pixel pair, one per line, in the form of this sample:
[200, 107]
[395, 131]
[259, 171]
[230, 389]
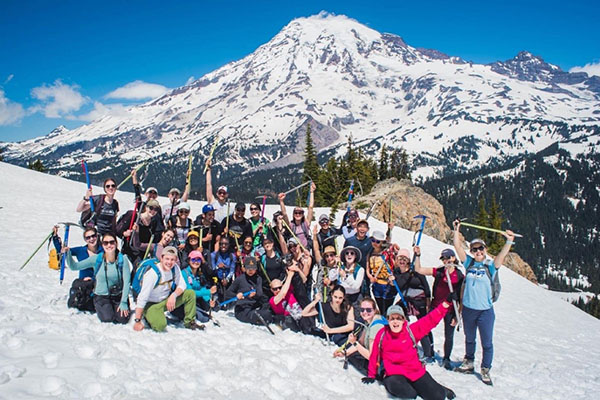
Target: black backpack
[81, 295]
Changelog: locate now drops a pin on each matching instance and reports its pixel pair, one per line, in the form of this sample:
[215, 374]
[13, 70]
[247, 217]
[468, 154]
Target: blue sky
[66, 62]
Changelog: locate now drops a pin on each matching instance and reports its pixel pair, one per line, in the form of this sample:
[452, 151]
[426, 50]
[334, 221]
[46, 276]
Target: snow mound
[544, 347]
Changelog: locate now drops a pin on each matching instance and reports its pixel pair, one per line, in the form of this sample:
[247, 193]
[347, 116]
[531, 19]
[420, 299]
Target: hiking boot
[194, 326]
[466, 367]
[450, 394]
[446, 364]
[485, 376]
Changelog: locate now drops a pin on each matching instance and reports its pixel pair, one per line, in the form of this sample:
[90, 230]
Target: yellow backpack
[53, 259]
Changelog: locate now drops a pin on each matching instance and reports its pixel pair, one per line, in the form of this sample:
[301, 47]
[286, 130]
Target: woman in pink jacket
[395, 352]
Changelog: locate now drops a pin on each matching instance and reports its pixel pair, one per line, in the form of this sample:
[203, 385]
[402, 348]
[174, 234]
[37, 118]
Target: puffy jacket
[194, 282]
[399, 356]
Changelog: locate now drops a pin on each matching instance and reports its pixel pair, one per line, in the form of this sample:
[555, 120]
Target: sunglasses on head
[196, 260]
[109, 242]
[110, 185]
[275, 289]
[94, 236]
[396, 317]
[476, 249]
[366, 309]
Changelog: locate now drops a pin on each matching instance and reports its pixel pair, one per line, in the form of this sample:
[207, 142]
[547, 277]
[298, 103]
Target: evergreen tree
[383, 164]
[495, 217]
[311, 167]
[482, 218]
[37, 165]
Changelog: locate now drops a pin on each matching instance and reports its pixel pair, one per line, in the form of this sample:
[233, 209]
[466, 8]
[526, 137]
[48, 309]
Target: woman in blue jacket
[196, 281]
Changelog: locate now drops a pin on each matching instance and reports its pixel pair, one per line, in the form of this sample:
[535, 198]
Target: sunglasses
[351, 253]
[292, 245]
[183, 211]
[152, 192]
[152, 208]
[376, 241]
[247, 243]
[110, 185]
[324, 222]
[193, 237]
[254, 209]
[396, 318]
[329, 255]
[240, 210]
[476, 249]
[368, 310]
[221, 192]
[196, 260]
[275, 289]
[109, 242]
[94, 236]
[446, 258]
[298, 212]
[403, 259]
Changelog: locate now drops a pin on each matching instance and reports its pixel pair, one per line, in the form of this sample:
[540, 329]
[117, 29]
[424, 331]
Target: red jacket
[399, 356]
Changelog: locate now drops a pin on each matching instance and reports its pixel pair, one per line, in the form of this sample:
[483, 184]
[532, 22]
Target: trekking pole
[485, 228]
[210, 155]
[454, 303]
[37, 249]
[420, 232]
[322, 317]
[131, 222]
[129, 176]
[87, 180]
[396, 285]
[149, 247]
[293, 234]
[63, 260]
[297, 187]
[371, 209]
[188, 182]
[350, 194]
[234, 299]
[227, 221]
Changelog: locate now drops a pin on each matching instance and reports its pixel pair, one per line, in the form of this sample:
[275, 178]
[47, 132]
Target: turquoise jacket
[193, 282]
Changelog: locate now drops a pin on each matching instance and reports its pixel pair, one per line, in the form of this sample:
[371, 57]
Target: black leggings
[106, 309]
[448, 334]
[425, 386]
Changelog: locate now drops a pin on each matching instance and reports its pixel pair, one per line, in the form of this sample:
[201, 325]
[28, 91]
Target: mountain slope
[49, 350]
[344, 79]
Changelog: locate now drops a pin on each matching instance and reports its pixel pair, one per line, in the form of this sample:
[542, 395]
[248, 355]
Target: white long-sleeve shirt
[152, 293]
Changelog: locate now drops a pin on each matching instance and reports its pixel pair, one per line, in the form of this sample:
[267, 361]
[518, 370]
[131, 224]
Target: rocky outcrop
[408, 201]
[516, 263]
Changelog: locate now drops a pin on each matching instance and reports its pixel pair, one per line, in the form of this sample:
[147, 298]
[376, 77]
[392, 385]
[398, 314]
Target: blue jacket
[226, 258]
[193, 282]
[80, 253]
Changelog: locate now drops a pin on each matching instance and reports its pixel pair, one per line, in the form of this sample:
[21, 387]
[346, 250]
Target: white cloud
[10, 112]
[58, 100]
[102, 110]
[190, 80]
[9, 78]
[590, 69]
[138, 90]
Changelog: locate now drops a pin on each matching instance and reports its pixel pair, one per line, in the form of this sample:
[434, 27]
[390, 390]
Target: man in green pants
[165, 291]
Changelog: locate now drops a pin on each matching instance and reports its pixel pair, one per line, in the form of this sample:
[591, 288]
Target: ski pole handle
[63, 260]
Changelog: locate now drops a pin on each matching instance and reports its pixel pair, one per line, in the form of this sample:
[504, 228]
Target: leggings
[425, 387]
[448, 334]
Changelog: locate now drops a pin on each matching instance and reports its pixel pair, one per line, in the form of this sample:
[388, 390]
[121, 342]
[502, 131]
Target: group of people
[282, 272]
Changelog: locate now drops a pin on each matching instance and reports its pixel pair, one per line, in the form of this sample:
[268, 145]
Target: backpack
[494, 280]
[53, 259]
[138, 278]
[81, 295]
[439, 276]
[88, 218]
[380, 374]
[98, 266]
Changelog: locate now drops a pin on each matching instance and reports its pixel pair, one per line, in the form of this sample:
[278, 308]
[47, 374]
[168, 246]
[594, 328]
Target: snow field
[544, 347]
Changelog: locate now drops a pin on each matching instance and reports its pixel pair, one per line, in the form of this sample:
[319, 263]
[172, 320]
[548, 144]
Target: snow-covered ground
[544, 347]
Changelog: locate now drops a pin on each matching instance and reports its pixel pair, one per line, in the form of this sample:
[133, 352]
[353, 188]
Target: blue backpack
[494, 280]
[100, 262]
[138, 278]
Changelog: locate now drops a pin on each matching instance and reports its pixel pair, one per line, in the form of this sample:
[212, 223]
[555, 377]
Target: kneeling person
[254, 306]
[163, 288]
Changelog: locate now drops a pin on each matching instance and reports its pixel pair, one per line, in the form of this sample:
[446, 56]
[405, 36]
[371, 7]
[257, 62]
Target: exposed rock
[407, 202]
[516, 263]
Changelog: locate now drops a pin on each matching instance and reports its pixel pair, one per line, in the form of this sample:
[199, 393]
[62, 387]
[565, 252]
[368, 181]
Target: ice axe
[484, 228]
[418, 235]
[262, 210]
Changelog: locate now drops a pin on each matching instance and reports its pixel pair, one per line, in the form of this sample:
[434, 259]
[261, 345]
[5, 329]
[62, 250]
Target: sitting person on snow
[255, 305]
[164, 291]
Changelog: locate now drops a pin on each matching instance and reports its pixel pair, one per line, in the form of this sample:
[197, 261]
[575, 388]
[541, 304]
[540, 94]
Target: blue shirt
[364, 246]
[478, 288]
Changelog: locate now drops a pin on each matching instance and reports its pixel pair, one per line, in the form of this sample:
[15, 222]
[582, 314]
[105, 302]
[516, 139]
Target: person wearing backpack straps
[478, 297]
[299, 224]
[163, 288]
[441, 291]
[395, 359]
[113, 273]
[106, 208]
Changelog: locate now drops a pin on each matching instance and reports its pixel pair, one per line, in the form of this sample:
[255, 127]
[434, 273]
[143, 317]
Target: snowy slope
[345, 79]
[544, 347]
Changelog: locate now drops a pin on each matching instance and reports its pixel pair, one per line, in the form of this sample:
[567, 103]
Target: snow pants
[484, 321]
[249, 315]
[359, 362]
[425, 387]
[106, 309]
[155, 312]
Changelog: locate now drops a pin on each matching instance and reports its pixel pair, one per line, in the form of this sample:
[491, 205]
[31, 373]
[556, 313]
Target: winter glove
[367, 381]
[452, 297]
